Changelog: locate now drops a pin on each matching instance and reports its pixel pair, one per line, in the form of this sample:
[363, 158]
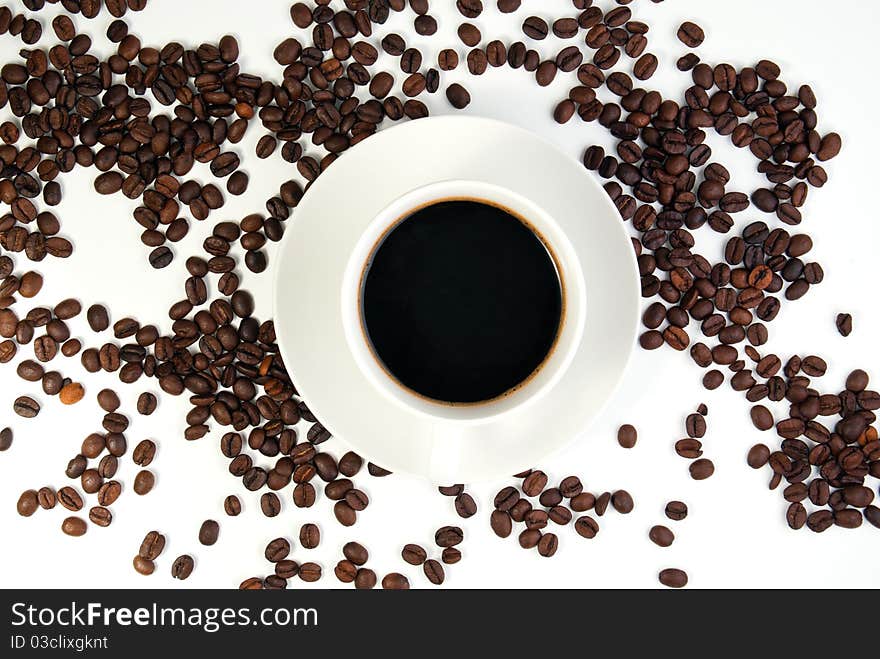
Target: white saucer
[329, 222]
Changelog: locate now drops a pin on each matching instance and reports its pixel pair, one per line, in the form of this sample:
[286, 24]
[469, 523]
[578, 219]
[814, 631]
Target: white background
[736, 534]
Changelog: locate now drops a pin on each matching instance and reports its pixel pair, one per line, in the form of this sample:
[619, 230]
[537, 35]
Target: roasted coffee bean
[622, 502]
[691, 34]
[501, 523]
[548, 544]
[74, 526]
[309, 536]
[209, 532]
[702, 469]
[28, 503]
[762, 417]
[270, 504]
[100, 516]
[844, 324]
[465, 505]
[758, 456]
[448, 536]
[534, 483]
[98, 318]
[69, 498]
[695, 426]
[414, 554]
[5, 439]
[535, 28]
[108, 400]
[26, 407]
[673, 578]
[676, 510]
[434, 572]
[232, 505]
[395, 580]
[661, 536]
[602, 502]
[182, 567]
[143, 565]
[627, 436]
[586, 527]
[144, 482]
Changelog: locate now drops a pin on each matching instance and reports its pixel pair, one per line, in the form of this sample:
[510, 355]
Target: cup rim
[564, 257]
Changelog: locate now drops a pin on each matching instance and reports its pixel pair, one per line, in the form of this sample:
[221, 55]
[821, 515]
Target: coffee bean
[355, 552]
[534, 483]
[501, 523]
[27, 503]
[622, 502]
[582, 502]
[414, 554]
[5, 439]
[209, 532]
[673, 578]
[844, 324]
[26, 407]
[448, 536]
[570, 487]
[690, 449]
[143, 565]
[344, 513]
[74, 526]
[144, 482]
[602, 502]
[627, 436]
[465, 505]
[695, 425]
[661, 536]
[586, 527]
[108, 400]
[98, 318]
[535, 28]
[676, 510]
[395, 581]
[69, 498]
[144, 453]
[434, 572]
[702, 469]
[309, 536]
[762, 418]
[691, 34]
[550, 497]
[548, 544]
[182, 567]
[270, 504]
[147, 403]
[758, 456]
[365, 579]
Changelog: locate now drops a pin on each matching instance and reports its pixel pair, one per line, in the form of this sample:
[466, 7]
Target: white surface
[735, 535]
[348, 390]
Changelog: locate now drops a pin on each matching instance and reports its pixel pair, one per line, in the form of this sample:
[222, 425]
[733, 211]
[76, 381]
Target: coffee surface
[462, 301]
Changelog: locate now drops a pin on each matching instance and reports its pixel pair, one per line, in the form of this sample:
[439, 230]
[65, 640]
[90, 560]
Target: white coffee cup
[568, 267]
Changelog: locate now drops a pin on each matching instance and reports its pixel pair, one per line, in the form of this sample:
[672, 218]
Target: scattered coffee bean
[209, 532]
[661, 536]
[395, 581]
[627, 436]
[309, 536]
[182, 567]
[74, 526]
[673, 578]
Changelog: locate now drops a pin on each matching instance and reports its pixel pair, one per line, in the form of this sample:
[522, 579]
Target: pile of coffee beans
[558, 504]
[145, 115]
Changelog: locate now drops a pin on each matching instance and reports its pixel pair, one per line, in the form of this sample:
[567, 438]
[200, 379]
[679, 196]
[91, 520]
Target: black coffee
[462, 301]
